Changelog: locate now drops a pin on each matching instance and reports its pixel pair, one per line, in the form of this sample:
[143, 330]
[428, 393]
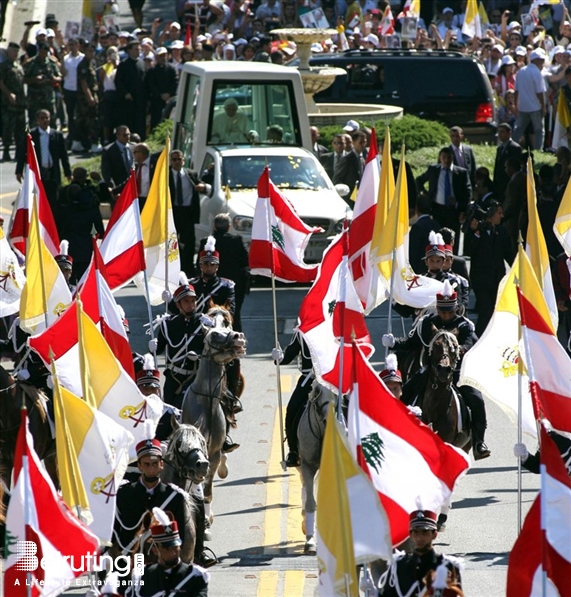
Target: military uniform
[183, 580]
[13, 114]
[220, 290]
[135, 500]
[177, 336]
[41, 96]
[405, 577]
[87, 117]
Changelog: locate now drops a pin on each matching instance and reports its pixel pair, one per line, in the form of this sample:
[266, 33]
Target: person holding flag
[446, 318]
[408, 573]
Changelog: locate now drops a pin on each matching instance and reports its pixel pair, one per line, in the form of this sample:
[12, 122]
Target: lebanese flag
[387, 24]
[409, 465]
[20, 225]
[279, 237]
[332, 309]
[122, 247]
[546, 361]
[368, 283]
[99, 303]
[547, 547]
[38, 515]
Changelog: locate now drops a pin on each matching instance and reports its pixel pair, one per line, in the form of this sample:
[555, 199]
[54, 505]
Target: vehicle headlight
[242, 223]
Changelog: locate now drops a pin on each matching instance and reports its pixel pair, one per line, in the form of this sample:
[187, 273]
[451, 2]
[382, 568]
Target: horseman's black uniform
[532, 462]
[134, 500]
[182, 580]
[220, 290]
[297, 348]
[406, 574]
[419, 338]
[178, 335]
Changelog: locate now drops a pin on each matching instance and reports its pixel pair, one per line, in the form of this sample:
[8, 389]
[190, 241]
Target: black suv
[437, 85]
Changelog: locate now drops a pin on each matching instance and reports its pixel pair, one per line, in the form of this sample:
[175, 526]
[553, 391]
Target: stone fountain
[319, 78]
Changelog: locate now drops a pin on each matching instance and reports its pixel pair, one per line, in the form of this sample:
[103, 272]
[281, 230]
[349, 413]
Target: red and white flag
[368, 284]
[407, 462]
[331, 310]
[43, 538]
[410, 9]
[20, 225]
[544, 543]
[387, 24]
[122, 246]
[279, 237]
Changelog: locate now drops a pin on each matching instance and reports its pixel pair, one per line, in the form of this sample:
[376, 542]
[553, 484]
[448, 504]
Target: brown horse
[13, 396]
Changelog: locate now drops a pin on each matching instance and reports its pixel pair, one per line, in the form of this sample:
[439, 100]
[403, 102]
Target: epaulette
[454, 560]
[228, 282]
[179, 490]
[200, 571]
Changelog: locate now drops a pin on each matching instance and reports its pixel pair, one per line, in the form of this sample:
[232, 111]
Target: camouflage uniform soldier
[87, 114]
[13, 102]
[42, 74]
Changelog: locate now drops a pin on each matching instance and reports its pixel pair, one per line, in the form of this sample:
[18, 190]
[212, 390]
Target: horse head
[320, 398]
[221, 342]
[443, 355]
[187, 453]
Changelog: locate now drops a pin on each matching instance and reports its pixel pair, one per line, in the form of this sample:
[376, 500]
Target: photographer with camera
[487, 244]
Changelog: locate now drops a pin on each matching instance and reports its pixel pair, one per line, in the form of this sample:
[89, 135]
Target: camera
[480, 213]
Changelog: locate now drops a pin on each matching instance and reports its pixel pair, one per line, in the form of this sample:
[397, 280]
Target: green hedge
[414, 132]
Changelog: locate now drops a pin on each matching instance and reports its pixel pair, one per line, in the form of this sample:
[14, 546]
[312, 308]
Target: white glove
[153, 343]
[193, 356]
[520, 451]
[23, 375]
[277, 354]
[166, 296]
[388, 340]
[50, 382]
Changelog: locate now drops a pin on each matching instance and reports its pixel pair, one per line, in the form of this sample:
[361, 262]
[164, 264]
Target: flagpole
[277, 343]
[145, 277]
[343, 296]
[166, 231]
[27, 491]
[519, 404]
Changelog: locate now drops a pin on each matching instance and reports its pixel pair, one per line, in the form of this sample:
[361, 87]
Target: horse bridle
[184, 471]
[321, 417]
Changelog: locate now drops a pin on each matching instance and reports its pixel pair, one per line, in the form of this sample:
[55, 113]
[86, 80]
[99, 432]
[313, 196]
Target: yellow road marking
[10, 194]
[294, 583]
[268, 585]
[286, 382]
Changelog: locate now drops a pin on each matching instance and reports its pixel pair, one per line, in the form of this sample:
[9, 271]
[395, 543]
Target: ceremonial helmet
[148, 376]
[149, 447]
[64, 259]
[165, 532]
[185, 289]
[447, 300]
[435, 245]
[209, 254]
[422, 519]
[391, 371]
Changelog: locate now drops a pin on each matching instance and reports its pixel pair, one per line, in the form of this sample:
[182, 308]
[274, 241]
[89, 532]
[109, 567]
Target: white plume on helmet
[210, 244]
[64, 247]
[161, 517]
[447, 290]
[148, 362]
[432, 238]
[183, 279]
[391, 362]
[149, 429]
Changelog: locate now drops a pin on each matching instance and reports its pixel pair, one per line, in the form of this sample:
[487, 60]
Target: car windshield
[286, 171]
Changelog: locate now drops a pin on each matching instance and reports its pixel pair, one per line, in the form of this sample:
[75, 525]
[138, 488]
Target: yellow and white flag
[562, 122]
[536, 248]
[92, 457]
[12, 279]
[350, 518]
[107, 387]
[497, 352]
[562, 225]
[46, 293]
[162, 253]
[472, 26]
[406, 287]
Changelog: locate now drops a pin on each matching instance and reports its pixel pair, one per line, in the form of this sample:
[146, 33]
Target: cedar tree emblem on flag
[373, 446]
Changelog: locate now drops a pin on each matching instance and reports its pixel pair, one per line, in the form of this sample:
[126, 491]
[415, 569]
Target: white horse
[202, 401]
[310, 434]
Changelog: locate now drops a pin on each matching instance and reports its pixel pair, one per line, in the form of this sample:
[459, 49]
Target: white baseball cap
[351, 126]
[447, 9]
[538, 54]
[508, 60]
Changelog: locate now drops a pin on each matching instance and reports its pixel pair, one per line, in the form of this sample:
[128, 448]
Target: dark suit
[501, 178]
[130, 79]
[409, 182]
[349, 171]
[328, 162]
[51, 177]
[469, 160]
[461, 188]
[418, 239]
[113, 167]
[185, 217]
[319, 150]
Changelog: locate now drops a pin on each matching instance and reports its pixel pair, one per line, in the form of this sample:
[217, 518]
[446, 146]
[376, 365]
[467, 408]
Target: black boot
[229, 445]
[481, 450]
[292, 459]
